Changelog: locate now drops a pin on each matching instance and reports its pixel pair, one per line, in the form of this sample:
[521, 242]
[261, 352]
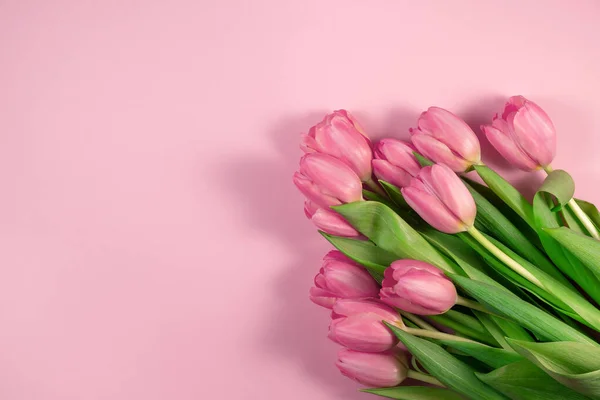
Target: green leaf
[561, 296]
[491, 356]
[415, 393]
[395, 194]
[558, 185]
[585, 248]
[590, 210]
[501, 228]
[508, 212]
[453, 373]
[425, 162]
[507, 193]
[366, 253]
[528, 316]
[524, 381]
[471, 264]
[388, 231]
[470, 331]
[575, 365]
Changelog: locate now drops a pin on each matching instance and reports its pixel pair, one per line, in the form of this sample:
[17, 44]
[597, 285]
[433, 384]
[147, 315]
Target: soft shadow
[295, 334]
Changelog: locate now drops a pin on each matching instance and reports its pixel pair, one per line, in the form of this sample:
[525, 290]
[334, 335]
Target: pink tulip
[357, 325]
[374, 369]
[395, 162]
[328, 221]
[442, 199]
[340, 136]
[327, 181]
[341, 278]
[417, 287]
[524, 135]
[446, 139]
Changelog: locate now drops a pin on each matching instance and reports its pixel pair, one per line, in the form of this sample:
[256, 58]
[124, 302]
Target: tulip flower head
[374, 369]
[340, 136]
[327, 181]
[328, 221]
[523, 134]
[357, 324]
[395, 162]
[446, 139]
[439, 196]
[341, 278]
[417, 287]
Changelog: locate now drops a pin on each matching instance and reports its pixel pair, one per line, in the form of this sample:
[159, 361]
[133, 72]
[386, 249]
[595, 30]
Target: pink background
[152, 245]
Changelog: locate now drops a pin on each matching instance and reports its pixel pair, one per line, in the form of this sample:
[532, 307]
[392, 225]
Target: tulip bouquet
[444, 287]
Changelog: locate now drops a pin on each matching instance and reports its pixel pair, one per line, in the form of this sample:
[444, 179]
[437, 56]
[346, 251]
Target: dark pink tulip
[374, 369]
[417, 287]
[340, 136]
[439, 196]
[357, 325]
[327, 181]
[341, 278]
[524, 134]
[328, 220]
[395, 162]
[446, 139]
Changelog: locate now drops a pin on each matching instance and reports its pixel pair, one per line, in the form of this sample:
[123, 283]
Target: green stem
[374, 186]
[473, 332]
[436, 335]
[461, 301]
[582, 216]
[418, 321]
[512, 264]
[419, 376]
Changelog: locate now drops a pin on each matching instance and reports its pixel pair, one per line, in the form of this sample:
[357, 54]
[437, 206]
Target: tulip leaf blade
[584, 248]
[591, 210]
[492, 356]
[390, 232]
[415, 393]
[558, 186]
[502, 228]
[453, 373]
[507, 192]
[364, 252]
[523, 380]
[527, 315]
[395, 194]
[575, 365]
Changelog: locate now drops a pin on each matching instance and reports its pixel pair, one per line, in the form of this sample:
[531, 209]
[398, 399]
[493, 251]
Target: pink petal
[438, 152]
[508, 149]
[431, 209]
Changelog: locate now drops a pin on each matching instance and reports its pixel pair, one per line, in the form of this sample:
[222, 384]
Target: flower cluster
[429, 260]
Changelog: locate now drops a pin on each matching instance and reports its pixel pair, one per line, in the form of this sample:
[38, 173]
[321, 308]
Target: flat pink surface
[152, 245]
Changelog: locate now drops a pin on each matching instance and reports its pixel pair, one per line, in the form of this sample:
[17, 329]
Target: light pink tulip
[442, 199]
[395, 162]
[327, 181]
[446, 139]
[374, 369]
[341, 278]
[357, 325]
[328, 220]
[417, 287]
[524, 134]
[339, 135]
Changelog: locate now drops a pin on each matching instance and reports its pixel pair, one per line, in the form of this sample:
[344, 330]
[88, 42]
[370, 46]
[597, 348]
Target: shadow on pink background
[152, 244]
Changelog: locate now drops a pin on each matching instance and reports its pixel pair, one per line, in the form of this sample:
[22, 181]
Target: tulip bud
[357, 325]
[524, 135]
[328, 221]
[395, 162]
[446, 139]
[374, 369]
[341, 137]
[442, 199]
[417, 287]
[341, 278]
[327, 181]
